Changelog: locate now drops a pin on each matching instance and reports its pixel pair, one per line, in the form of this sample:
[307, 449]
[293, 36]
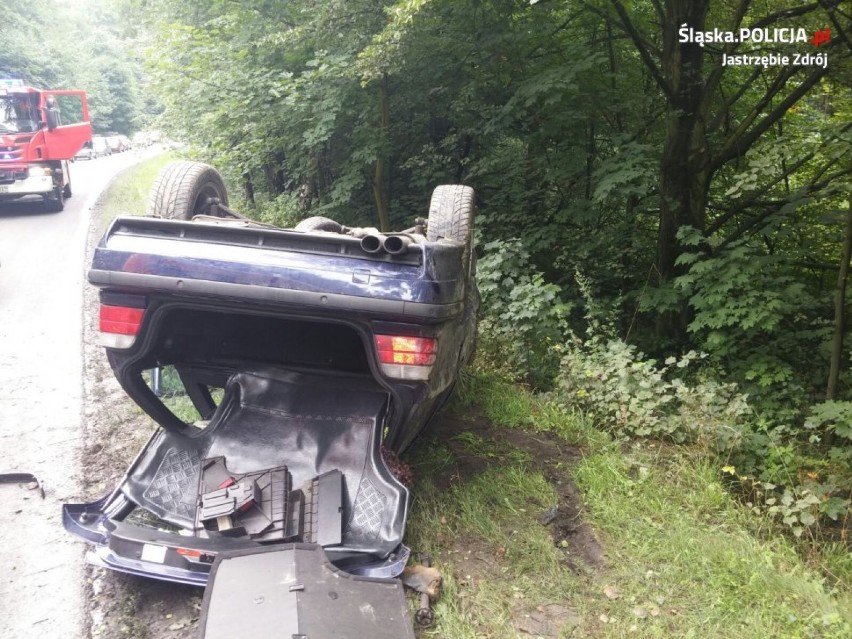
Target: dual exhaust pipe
[374, 243]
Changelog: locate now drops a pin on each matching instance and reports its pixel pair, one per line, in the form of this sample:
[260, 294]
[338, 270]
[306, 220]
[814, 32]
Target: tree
[713, 118]
[86, 53]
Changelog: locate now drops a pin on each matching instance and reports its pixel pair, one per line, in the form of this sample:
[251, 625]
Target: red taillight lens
[411, 351]
[122, 320]
[119, 325]
[405, 357]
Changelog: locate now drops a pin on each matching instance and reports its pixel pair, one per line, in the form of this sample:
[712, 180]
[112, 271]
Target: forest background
[664, 239]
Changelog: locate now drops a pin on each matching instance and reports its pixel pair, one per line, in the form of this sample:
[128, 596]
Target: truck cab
[40, 131]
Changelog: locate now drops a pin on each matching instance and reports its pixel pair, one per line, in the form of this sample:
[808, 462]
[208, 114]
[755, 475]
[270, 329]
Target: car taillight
[405, 357]
[119, 325]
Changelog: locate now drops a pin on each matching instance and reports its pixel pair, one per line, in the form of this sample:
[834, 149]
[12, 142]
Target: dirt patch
[475, 445]
[544, 452]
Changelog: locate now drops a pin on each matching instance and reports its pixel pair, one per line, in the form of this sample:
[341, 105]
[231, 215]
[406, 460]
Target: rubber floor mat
[313, 424]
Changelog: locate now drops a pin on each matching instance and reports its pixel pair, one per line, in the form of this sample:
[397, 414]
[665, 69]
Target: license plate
[152, 552]
[4, 189]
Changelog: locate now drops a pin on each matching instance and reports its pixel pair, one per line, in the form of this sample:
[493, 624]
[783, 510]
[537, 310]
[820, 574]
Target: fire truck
[40, 131]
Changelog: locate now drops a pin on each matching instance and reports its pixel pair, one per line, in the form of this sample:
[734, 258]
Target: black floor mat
[313, 424]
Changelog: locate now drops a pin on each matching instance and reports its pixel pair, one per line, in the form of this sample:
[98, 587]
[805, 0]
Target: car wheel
[451, 215]
[319, 223]
[182, 190]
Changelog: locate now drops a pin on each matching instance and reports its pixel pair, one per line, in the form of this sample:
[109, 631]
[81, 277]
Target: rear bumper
[33, 185]
[280, 267]
[176, 558]
[271, 295]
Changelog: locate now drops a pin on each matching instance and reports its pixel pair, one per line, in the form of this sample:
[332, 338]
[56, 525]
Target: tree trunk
[248, 188]
[839, 303]
[380, 191]
[685, 170]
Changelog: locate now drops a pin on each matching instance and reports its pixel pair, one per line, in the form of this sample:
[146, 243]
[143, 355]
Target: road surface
[41, 282]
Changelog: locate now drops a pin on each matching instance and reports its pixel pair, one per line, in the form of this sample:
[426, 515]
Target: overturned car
[306, 354]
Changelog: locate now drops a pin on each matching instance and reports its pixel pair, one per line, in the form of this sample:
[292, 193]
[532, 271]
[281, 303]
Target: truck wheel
[56, 202]
[182, 189]
[451, 214]
[66, 191]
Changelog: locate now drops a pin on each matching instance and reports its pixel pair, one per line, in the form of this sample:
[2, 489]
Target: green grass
[129, 194]
[491, 522]
[510, 405]
[682, 557]
[677, 541]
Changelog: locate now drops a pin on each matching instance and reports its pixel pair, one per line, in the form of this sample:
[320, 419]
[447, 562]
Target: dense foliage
[53, 45]
[635, 193]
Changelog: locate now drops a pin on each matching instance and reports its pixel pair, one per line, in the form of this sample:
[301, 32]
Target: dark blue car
[309, 356]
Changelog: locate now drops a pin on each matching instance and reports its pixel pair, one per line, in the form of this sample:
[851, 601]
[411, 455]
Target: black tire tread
[66, 189]
[55, 204]
[451, 213]
[176, 188]
[319, 223]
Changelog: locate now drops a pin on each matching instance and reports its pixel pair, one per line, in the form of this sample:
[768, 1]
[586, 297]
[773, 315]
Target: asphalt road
[41, 284]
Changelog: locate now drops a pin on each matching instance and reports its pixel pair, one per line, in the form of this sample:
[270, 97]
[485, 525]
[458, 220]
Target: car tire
[56, 202]
[182, 189]
[451, 214]
[319, 223]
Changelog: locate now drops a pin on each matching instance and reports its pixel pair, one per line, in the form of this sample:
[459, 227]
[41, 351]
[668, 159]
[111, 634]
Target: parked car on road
[115, 144]
[86, 153]
[100, 146]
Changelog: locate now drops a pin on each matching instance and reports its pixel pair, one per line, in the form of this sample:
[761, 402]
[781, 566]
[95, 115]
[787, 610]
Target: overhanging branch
[739, 144]
[635, 36]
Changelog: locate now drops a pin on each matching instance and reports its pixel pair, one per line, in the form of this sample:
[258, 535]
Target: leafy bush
[831, 416]
[780, 469]
[523, 319]
[638, 397]
[755, 320]
[283, 210]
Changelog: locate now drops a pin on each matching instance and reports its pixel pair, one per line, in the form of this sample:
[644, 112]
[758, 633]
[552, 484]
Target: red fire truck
[40, 131]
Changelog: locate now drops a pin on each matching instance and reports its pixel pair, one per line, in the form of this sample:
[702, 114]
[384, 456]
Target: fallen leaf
[611, 592]
[640, 612]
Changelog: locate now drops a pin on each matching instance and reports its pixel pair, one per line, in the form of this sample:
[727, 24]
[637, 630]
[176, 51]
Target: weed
[129, 195]
[676, 536]
[684, 558]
